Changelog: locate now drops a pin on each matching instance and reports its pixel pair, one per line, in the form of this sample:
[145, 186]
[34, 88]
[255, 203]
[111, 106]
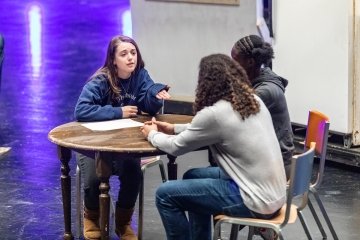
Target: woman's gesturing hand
[163, 94]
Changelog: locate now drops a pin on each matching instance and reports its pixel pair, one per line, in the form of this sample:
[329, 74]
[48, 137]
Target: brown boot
[123, 227]
[91, 225]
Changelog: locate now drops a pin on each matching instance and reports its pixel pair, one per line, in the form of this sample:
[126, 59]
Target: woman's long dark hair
[109, 69]
[220, 77]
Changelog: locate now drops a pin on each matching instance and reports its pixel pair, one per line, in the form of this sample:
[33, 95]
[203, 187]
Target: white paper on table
[112, 124]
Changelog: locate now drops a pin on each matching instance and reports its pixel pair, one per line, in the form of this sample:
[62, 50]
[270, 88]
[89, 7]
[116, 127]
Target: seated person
[119, 89]
[250, 178]
[253, 54]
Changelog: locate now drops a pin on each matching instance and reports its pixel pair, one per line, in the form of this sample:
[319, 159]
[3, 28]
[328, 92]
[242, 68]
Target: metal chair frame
[301, 171]
[318, 131]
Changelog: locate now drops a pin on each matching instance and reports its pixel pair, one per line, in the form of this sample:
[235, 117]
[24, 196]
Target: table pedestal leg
[172, 167]
[65, 156]
[103, 171]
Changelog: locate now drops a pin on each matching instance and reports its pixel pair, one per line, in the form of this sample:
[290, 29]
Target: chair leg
[317, 220]
[303, 223]
[217, 231]
[112, 224]
[234, 231]
[141, 193]
[79, 209]
[251, 233]
[280, 236]
[141, 206]
[324, 213]
[162, 171]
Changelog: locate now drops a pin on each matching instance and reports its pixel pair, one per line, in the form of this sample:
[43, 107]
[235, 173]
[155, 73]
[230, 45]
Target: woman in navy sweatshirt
[121, 88]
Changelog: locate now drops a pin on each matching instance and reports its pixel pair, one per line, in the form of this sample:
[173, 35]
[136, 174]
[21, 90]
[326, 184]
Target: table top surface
[128, 140]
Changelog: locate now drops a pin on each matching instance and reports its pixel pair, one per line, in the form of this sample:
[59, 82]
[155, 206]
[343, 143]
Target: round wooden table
[104, 145]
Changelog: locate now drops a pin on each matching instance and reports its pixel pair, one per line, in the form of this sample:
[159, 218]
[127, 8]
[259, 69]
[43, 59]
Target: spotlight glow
[34, 15]
[126, 23]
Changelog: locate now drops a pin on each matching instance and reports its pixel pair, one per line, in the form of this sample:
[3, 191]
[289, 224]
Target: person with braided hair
[226, 113]
[255, 56]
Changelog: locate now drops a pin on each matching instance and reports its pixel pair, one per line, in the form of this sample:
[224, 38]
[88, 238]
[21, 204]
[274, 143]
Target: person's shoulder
[221, 104]
[98, 77]
[98, 80]
[267, 75]
[141, 75]
[205, 116]
[221, 107]
[269, 88]
[208, 111]
[259, 100]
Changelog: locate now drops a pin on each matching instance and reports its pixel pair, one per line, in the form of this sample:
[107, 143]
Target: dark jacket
[95, 104]
[271, 88]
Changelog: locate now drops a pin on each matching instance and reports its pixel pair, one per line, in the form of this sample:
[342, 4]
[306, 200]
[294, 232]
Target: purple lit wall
[51, 48]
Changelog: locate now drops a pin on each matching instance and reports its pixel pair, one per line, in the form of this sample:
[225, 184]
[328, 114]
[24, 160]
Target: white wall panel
[312, 50]
[173, 37]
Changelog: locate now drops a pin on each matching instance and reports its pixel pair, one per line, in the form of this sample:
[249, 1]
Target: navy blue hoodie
[95, 103]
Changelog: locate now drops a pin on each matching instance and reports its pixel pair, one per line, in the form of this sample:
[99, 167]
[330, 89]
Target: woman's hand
[164, 127]
[163, 94]
[129, 111]
[148, 126]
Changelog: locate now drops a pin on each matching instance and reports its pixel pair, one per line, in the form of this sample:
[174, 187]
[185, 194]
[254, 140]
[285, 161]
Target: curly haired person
[227, 112]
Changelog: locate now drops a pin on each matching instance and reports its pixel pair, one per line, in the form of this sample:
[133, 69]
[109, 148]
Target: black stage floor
[51, 48]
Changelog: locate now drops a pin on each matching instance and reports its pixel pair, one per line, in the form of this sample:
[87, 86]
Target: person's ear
[233, 54]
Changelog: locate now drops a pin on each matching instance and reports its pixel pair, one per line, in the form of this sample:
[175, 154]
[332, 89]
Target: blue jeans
[202, 192]
[129, 172]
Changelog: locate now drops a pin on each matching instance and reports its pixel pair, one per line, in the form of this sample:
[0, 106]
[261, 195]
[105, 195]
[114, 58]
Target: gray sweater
[247, 150]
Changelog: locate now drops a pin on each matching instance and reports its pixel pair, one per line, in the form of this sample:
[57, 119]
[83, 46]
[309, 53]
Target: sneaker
[266, 233]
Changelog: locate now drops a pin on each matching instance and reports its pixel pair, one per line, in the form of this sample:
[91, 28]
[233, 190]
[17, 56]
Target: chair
[317, 131]
[145, 163]
[300, 177]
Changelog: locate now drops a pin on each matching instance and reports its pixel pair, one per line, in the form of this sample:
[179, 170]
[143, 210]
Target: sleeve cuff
[151, 135]
[157, 87]
[117, 112]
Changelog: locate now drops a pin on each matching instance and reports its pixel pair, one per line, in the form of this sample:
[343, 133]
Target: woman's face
[125, 59]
